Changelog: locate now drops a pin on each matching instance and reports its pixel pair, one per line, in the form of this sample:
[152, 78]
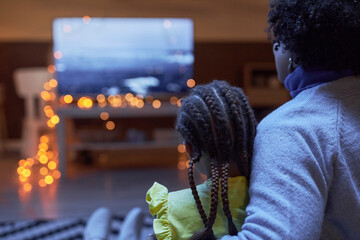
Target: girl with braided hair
[218, 127]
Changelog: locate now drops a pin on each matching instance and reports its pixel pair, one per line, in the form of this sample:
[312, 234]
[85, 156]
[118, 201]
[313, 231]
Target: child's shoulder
[159, 195]
[185, 198]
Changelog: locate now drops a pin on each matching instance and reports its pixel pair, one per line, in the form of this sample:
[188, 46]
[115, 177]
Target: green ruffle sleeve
[157, 198]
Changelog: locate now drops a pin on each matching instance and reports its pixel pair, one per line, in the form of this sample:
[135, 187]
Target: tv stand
[67, 113]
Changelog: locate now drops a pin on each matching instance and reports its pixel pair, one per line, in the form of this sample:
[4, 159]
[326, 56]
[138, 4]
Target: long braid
[195, 193]
[197, 154]
[252, 124]
[225, 199]
[215, 175]
[251, 130]
[227, 149]
[191, 109]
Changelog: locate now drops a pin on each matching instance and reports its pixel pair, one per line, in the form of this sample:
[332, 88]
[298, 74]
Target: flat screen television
[147, 56]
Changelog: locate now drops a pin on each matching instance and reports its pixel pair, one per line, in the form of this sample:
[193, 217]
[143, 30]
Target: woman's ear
[189, 149]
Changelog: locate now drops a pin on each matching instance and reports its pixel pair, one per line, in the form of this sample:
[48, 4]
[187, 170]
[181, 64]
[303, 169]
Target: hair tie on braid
[205, 234]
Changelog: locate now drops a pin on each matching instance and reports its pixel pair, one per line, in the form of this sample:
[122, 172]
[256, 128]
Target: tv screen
[147, 56]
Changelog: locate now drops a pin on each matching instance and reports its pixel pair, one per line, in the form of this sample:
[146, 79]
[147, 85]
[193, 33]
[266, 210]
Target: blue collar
[301, 79]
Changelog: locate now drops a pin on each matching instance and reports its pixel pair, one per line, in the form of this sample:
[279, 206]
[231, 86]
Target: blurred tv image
[146, 56]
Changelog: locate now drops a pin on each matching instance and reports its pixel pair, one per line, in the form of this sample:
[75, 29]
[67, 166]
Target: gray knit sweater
[305, 180]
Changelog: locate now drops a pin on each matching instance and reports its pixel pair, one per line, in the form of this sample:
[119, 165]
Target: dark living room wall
[213, 60]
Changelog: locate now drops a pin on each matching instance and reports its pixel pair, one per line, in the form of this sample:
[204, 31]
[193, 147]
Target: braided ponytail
[194, 191]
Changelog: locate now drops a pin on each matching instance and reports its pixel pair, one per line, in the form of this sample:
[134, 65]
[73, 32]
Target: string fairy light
[45, 163]
[46, 159]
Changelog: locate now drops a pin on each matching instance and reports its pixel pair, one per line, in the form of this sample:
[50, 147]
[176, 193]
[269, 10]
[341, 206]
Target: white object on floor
[29, 83]
[132, 226]
[98, 225]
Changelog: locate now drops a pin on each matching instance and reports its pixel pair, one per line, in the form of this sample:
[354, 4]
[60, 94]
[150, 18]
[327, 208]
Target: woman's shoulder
[304, 113]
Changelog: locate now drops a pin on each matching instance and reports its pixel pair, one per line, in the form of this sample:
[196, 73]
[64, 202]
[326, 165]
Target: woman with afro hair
[305, 172]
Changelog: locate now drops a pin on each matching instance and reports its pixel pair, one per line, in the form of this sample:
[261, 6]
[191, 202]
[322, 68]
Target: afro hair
[319, 33]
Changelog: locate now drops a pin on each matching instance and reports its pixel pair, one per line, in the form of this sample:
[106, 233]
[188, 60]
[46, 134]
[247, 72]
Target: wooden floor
[117, 188]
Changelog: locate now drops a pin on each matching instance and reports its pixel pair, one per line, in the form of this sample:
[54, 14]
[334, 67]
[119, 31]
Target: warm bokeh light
[134, 101]
[56, 174]
[49, 113]
[50, 158]
[42, 183]
[100, 98]
[27, 187]
[68, 98]
[191, 83]
[20, 170]
[43, 159]
[41, 153]
[85, 102]
[181, 148]
[104, 116]
[129, 97]
[47, 86]
[140, 104]
[80, 102]
[110, 125]
[50, 124]
[49, 179]
[21, 162]
[181, 165]
[88, 103]
[156, 103]
[173, 100]
[43, 146]
[110, 98]
[179, 102]
[55, 119]
[102, 104]
[187, 163]
[26, 173]
[51, 69]
[61, 100]
[45, 95]
[115, 101]
[30, 162]
[43, 171]
[52, 96]
[86, 19]
[22, 178]
[53, 83]
[58, 55]
[44, 139]
[52, 165]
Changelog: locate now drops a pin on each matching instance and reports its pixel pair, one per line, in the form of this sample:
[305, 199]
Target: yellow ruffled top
[176, 214]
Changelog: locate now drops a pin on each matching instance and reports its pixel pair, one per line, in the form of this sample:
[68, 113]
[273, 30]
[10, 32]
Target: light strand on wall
[45, 162]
